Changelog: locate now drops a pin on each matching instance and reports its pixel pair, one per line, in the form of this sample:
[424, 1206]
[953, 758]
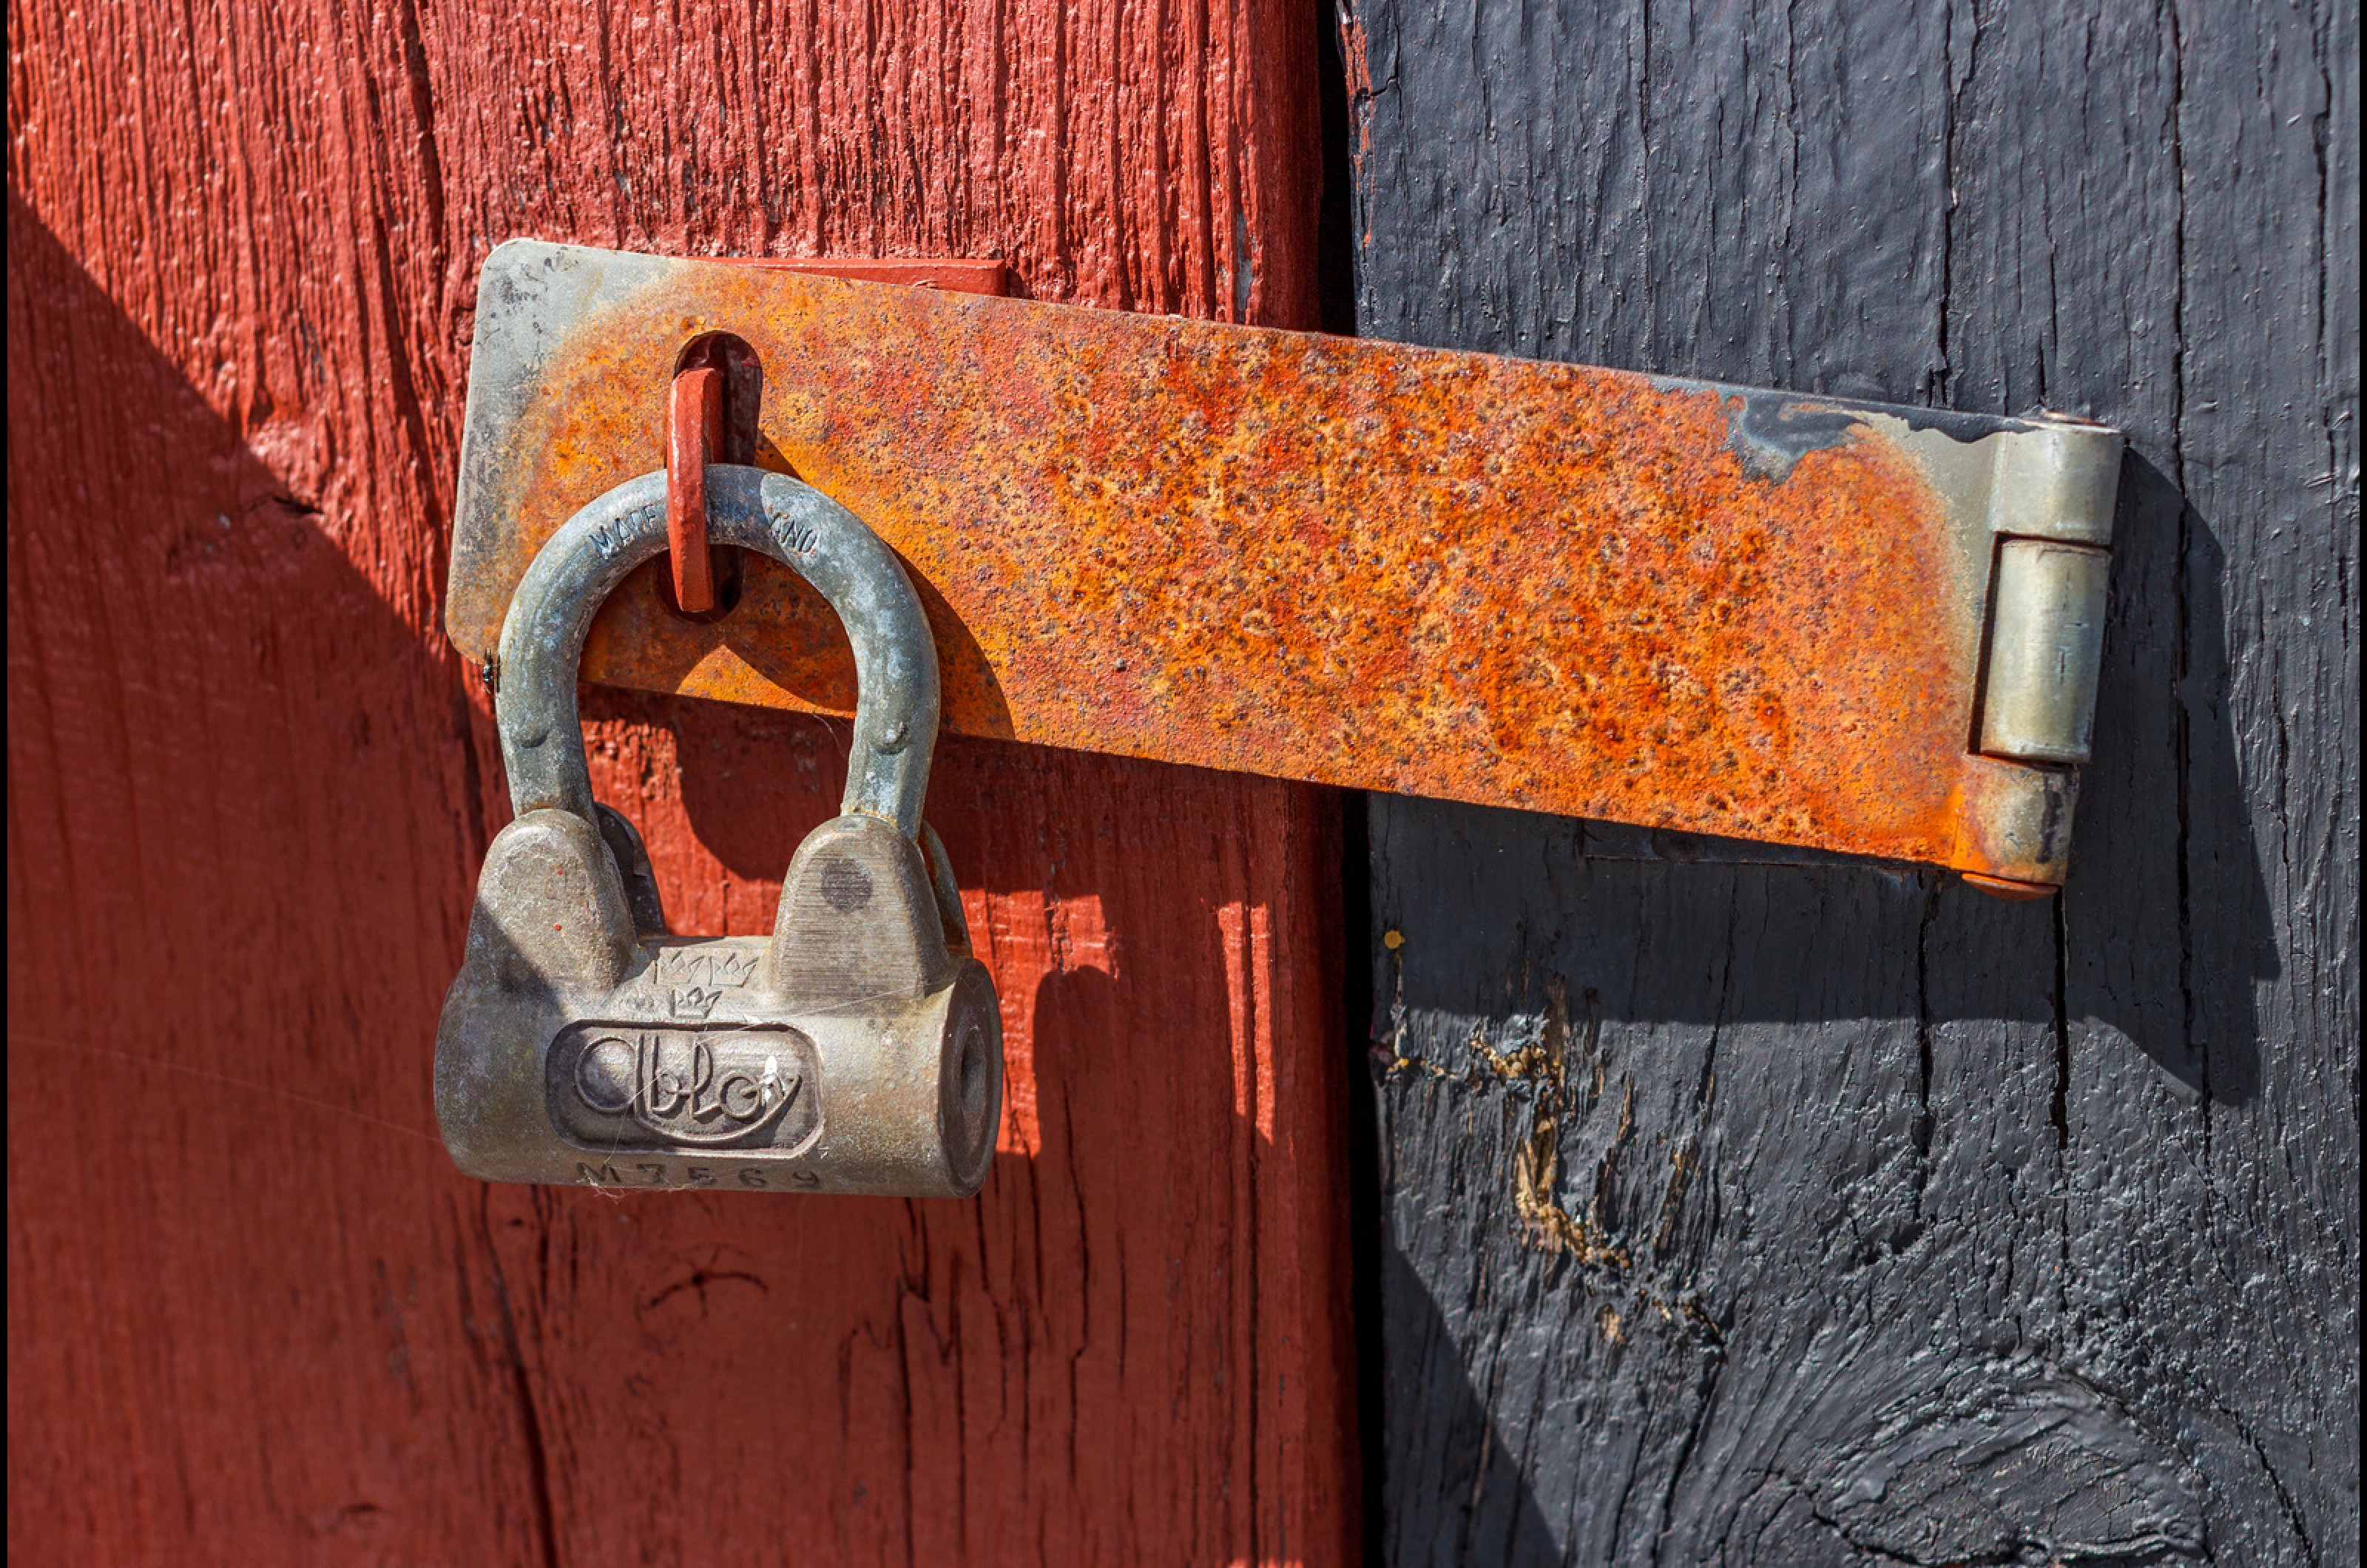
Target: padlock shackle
[895, 656]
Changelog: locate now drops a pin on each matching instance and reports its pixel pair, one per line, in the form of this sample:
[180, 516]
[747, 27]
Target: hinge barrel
[2051, 499]
[2046, 641]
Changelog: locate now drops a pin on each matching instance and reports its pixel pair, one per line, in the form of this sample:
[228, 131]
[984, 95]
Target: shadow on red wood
[255, 1313]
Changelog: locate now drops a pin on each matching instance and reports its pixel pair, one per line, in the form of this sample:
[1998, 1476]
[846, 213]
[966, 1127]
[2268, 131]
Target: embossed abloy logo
[681, 1099]
[614, 1086]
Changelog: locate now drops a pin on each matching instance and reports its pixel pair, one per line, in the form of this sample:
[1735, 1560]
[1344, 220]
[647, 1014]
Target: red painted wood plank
[247, 1298]
[254, 1315]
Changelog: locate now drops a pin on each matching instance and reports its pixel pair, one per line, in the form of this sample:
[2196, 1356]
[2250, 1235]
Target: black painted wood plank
[1800, 1213]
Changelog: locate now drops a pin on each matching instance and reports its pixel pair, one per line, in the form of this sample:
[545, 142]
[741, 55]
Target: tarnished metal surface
[1572, 589]
[888, 635]
[858, 1050]
[2046, 643]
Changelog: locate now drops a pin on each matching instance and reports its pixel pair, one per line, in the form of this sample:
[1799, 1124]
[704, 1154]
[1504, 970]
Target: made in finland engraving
[792, 534]
[611, 537]
[747, 1089]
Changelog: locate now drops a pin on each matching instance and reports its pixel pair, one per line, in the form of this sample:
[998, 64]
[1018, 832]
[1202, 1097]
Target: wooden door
[255, 1317]
[1846, 1215]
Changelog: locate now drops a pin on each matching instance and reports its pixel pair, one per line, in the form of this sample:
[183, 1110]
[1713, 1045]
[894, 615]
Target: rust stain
[1356, 68]
[1359, 563]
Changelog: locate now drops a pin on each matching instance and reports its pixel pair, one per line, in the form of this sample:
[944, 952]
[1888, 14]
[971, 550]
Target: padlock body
[572, 1051]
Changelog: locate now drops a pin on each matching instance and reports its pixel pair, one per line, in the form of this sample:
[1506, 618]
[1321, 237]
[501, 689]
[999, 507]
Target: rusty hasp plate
[1578, 591]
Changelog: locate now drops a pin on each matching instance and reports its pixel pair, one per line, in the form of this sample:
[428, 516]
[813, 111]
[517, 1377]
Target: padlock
[858, 1050]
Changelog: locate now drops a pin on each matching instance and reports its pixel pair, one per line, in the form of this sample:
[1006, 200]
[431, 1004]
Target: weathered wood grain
[254, 1315]
[1815, 1213]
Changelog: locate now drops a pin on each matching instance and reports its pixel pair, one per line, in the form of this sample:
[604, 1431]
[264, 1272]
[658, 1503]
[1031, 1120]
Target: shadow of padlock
[858, 1050]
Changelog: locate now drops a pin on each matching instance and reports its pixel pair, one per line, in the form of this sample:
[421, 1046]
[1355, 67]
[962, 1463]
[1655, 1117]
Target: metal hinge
[2051, 506]
[1688, 606]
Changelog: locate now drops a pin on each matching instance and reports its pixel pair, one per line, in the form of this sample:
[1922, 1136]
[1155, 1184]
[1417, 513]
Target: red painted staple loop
[694, 426]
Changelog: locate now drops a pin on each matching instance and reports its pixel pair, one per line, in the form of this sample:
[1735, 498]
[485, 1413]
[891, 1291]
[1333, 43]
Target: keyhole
[971, 1075]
